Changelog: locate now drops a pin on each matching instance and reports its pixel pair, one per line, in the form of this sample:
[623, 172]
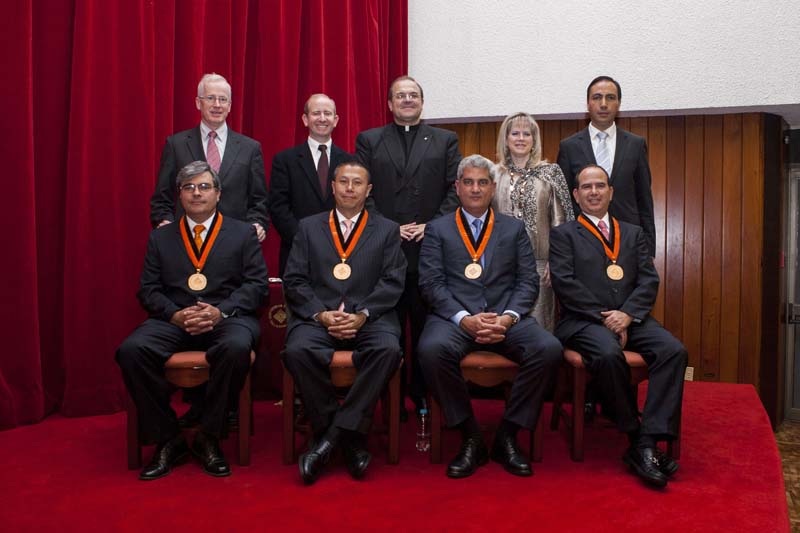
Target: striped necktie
[603, 155]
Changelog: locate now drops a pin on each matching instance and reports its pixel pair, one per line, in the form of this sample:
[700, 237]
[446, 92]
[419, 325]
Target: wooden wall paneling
[471, 140]
[551, 137]
[657, 153]
[674, 233]
[712, 247]
[487, 145]
[752, 228]
[731, 247]
[624, 123]
[568, 127]
[693, 242]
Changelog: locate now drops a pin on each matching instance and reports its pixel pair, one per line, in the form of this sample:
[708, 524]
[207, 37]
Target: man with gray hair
[238, 162]
[478, 274]
[203, 280]
[235, 158]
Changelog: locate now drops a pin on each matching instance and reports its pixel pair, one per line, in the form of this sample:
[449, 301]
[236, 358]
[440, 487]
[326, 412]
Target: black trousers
[308, 354]
[666, 360]
[411, 307]
[537, 352]
[141, 358]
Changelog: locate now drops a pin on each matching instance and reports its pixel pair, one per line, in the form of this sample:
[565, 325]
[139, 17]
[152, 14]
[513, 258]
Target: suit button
[615, 291]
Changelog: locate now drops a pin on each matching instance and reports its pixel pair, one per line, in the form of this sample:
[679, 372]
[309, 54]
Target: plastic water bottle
[423, 432]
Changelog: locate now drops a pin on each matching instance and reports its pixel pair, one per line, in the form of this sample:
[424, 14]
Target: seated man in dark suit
[203, 279]
[481, 285]
[604, 277]
[343, 279]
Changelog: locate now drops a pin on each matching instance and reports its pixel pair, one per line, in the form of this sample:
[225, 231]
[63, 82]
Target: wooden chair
[573, 367]
[343, 374]
[486, 369]
[189, 369]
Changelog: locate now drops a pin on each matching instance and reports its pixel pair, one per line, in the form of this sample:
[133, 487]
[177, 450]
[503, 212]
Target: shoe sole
[650, 481]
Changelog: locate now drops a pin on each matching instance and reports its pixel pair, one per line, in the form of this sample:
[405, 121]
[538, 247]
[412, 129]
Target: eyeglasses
[211, 99]
[202, 187]
[406, 96]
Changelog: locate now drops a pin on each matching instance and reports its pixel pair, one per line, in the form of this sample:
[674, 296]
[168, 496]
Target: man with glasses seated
[238, 162]
[203, 280]
[413, 168]
[478, 274]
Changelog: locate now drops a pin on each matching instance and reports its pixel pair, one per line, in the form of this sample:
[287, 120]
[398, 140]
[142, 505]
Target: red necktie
[604, 230]
[212, 152]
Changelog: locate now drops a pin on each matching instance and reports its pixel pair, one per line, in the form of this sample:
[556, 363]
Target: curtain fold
[97, 86]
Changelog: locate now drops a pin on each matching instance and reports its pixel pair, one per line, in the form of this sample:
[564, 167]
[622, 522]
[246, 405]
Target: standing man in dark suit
[413, 168]
[235, 158]
[604, 277]
[343, 279]
[622, 155]
[238, 162]
[300, 181]
[203, 279]
[478, 274]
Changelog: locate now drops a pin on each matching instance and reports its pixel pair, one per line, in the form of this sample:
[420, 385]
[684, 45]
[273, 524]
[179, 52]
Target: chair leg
[134, 447]
[559, 396]
[536, 440]
[288, 418]
[245, 420]
[578, 399]
[436, 431]
[394, 419]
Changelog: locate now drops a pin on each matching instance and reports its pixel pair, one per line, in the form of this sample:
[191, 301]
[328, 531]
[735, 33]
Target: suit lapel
[594, 242]
[421, 143]
[394, 149]
[232, 147]
[194, 143]
[306, 162]
[619, 151]
[488, 253]
[365, 235]
[585, 143]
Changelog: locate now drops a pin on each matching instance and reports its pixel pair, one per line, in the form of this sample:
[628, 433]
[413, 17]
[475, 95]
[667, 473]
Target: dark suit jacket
[630, 177]
[294, 191]
[244, 187]
[578, 272]
[235, 270]
[376, 282]
[416, 191]
[509, 279]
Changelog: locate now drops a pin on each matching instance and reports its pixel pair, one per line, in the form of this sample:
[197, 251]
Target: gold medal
[473, 271]
[342, 271]
[197, 282]
[615, 272]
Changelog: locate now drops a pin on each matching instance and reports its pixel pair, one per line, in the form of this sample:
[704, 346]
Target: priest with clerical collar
[343, 278]
[196, 300]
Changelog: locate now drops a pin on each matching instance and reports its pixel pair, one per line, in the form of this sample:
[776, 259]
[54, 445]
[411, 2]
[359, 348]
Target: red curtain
[92, 89]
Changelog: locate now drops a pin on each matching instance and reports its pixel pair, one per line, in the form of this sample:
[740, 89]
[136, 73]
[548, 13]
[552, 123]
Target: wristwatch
[514, 318]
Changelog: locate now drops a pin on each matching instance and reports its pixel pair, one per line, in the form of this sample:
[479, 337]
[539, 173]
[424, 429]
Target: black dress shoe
[167, 455]
[313, 461]
[206, 448]
[506, 452]
[356, 457]
[589, 410]
[666, 464]
[643, 461]
[191, 418]
[473, 453]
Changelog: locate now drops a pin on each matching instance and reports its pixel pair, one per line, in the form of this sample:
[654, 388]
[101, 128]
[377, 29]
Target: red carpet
[70, 474]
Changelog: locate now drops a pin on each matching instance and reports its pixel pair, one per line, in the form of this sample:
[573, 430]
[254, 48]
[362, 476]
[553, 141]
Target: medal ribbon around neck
[611, 254]
[476, 254]
[212, 236]
[344, 254]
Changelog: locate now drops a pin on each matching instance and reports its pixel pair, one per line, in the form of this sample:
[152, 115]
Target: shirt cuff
[456, 318]
[512, 313]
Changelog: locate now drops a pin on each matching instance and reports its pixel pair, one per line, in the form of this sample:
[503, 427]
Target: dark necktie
[322, 170]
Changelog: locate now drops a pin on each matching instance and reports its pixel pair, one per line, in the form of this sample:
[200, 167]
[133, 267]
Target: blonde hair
[502, 135]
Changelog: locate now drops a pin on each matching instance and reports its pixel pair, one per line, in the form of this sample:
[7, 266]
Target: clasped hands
[486, 328]
[197, 319]
[342, 325]
[618, 322]
[412, 231]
